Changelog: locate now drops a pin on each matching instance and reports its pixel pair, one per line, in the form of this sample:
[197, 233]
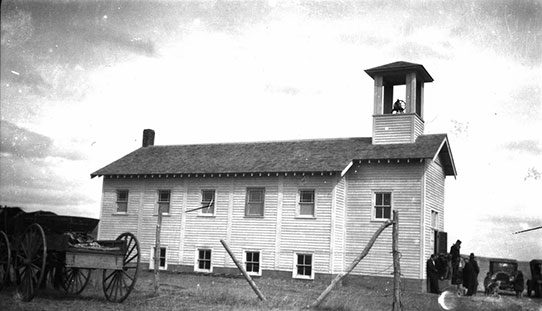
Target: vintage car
[534, 284]
[503, 271]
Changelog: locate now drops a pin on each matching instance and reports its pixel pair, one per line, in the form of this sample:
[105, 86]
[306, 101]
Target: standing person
[476, 269]
[519, 284]
[469, 276]
[454, 253]
[432, 275]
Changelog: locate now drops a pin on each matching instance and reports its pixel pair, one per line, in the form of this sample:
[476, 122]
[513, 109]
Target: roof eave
[444, 148]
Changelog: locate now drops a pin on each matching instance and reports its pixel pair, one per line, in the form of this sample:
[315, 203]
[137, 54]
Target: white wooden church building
[296, 209]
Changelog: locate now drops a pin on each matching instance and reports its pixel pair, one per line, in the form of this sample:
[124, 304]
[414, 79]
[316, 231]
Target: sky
[80, 80]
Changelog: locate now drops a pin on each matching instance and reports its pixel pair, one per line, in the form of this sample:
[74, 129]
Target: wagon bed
[34, 246]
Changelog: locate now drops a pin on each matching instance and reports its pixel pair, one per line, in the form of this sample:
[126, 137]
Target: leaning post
[157, 253]
[243, 271]
[396, 264]
[354, 263]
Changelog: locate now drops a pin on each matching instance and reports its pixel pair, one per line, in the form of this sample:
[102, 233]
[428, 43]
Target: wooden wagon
[41, 246]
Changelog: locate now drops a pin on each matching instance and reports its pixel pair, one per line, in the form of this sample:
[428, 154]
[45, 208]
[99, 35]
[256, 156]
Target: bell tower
[399, 121]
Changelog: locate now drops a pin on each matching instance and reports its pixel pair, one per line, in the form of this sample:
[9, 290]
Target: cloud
[22, 143]
[16, 26]
[528, 146]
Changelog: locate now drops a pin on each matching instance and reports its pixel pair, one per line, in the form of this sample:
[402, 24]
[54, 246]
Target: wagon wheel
[117, 284]
[5, 259]
[30, 261]
[74, 280]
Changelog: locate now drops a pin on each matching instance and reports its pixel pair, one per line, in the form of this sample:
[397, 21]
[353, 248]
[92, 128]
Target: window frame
[374, 206]
[245, 261]
[197, 260]
[201, 212]
[434, 219]
[151, 258]
[299, 203]
[158, 202]
[248, 202]
[122, 202]
[295, 274]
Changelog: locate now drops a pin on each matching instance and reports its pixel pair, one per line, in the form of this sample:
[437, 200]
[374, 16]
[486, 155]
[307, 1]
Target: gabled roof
[319, 155]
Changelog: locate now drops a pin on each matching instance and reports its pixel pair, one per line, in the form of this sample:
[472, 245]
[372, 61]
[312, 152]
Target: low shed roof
[318, 155]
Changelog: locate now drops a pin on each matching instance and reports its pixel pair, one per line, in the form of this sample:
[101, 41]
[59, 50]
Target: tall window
[122, 201]
[434, 219]
[255, 202]
[306, 203]
[382, 207]
[204, 260]
[162, 263]
[303, 266]
[207, 202]
[252, 262]
[164, 197]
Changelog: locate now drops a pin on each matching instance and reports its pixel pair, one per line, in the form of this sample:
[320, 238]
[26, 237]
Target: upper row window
[382, 207]
[306, 203]
[207, 202]
[164, 198]
[255, 202]
[122, 201]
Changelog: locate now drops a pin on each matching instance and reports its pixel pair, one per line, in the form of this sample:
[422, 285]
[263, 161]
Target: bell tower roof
[396, 72]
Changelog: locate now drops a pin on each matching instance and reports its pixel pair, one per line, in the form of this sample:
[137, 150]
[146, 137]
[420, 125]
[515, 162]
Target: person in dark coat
[476, 269]
[519, 284]
[470, 276]
[432, 275]
[454, 253]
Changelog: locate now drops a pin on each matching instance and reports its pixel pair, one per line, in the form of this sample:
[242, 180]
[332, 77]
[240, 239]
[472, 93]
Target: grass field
[199, 292]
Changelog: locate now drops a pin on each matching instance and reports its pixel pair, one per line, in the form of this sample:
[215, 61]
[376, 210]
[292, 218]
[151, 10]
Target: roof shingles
[323, 155]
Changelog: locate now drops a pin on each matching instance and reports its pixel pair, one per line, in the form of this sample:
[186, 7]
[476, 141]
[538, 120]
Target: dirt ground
[199, 292]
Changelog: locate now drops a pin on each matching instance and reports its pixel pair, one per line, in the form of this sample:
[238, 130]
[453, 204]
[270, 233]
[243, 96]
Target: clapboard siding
[112, 224]
[434, 201]
[339, 231]
[205, 231]
[339, 228]
[396, 128]
[254, 232]
[404, 181]
[311, 235]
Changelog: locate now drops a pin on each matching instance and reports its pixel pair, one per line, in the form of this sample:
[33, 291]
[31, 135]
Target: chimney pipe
[148, 138]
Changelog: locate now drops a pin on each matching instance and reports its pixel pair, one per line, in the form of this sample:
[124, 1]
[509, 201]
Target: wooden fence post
[396, 264]
[244, 272]
[352, 265]
[157, 254]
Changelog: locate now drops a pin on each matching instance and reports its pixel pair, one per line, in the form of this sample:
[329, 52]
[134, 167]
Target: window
[252, 262]
[122, 201]
[255, 202]
[303, 266]
[207, 202]
[306, 203]
[162, 264]
[204, 260]
[434, 219]
[164, 197]
[382, 205]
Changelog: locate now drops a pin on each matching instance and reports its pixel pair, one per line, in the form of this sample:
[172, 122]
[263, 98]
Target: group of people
[466, 278]
[464, 274]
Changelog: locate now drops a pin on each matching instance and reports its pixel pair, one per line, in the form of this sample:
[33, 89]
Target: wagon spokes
[30, 261]
[117, 284]
[74, 280]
